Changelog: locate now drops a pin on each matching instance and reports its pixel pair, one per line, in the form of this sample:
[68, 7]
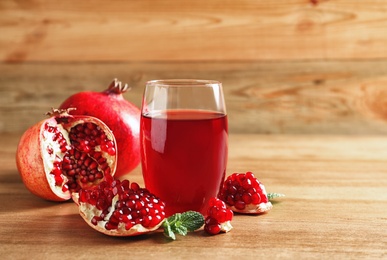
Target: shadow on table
[14, 196]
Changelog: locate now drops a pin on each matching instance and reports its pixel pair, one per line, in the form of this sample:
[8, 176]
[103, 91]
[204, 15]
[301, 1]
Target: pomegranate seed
[101, 204]
[156, 220]
[56, 136]
[146, 221]
[134, 186]
[101, 160]
[104, 166]
[97, 155]
[71, 172]
[90, 126]
[128, 225]
[139, 205]
[222, 216]
[99, 175]
[65, 188]
[255, 198]
[246, 197]
[56, 171]
[125, 184]
[130, 203]
[95, 220]
[110, 226]
[111, 151]
[93, 165]
[50, 151]
[212, 226]
[84, 179]
[240, 205]
[91, 178]
[58, 180]
[66, 159]
[87, 161]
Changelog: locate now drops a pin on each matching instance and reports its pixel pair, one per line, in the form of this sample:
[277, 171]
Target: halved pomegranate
[65, 153]
[120, 208]
[120, 115]
[243, 193]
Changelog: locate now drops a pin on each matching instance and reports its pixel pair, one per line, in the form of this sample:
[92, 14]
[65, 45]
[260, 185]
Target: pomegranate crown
[117, 87]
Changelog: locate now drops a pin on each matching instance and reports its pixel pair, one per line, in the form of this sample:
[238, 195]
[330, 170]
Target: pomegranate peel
[56, 156]
[254, 209]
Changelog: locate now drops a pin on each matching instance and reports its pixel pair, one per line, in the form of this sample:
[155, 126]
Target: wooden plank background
[37, 30]
[288, 66]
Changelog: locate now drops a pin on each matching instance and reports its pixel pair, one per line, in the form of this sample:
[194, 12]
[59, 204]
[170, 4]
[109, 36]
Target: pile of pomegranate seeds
[219, 217]
[243, 193]
[87, 136]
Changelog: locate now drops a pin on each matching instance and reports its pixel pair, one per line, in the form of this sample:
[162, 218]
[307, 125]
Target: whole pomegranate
[64, 153]
[121, 116]
[120, 208]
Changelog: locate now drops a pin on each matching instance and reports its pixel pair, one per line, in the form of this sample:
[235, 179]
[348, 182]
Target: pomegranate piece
[120, 208]
[120, 115]
[61, 154]
[218, 217]
[243, 193]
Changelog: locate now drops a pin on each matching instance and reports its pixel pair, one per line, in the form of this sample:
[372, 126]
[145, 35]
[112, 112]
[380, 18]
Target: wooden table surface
[335, 207]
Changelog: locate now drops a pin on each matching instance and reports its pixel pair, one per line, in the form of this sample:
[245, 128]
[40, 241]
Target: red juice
[184, 157]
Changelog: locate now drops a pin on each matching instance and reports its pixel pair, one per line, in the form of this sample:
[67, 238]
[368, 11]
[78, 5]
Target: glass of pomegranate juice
[184, 142]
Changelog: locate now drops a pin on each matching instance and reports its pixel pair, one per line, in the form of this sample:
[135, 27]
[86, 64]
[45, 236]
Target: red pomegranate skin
[121, 116]
[29, 162]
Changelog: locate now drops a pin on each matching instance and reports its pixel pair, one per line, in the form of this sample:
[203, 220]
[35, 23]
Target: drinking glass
[184, 142]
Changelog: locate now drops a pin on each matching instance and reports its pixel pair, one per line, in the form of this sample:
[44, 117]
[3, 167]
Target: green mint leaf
[182, 223]
[181, 230]
[168, 231]
[174, 218]
[273, 195]
[192, 220]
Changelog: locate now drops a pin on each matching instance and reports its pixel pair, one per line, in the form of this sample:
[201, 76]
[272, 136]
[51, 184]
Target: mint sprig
[273, 195]
[182, 223]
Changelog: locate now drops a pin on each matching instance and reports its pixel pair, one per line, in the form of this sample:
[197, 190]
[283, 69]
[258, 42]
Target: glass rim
[183, 83]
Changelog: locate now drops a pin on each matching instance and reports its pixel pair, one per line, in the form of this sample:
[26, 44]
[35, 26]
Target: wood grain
[41, 30]
[314, 70]
[330, 97]
[334, 207]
